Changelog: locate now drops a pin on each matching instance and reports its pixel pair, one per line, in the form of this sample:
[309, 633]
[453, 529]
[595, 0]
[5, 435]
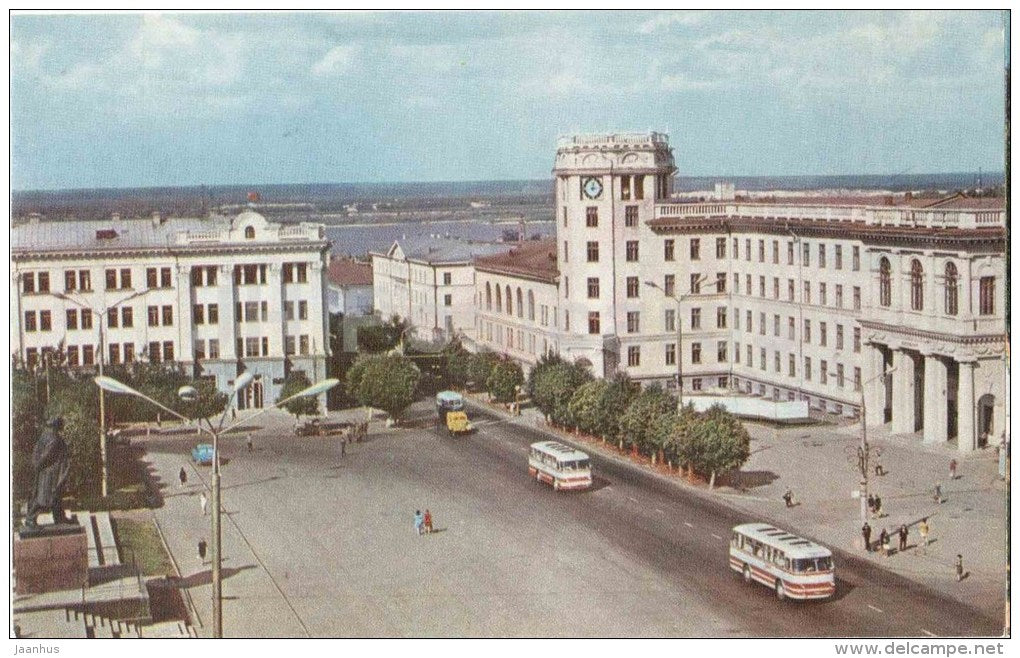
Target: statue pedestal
[50, 558]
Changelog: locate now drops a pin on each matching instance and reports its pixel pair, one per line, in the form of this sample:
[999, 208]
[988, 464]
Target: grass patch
[139, 538]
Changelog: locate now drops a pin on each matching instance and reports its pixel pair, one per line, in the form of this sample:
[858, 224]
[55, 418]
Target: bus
[792, 566]
[559, 465]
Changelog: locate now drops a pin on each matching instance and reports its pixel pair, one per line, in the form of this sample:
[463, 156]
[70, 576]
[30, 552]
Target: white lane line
[874, 608]
[688, 524]
[928, 633]
[633, 500]
[659, 510]
[716, 536]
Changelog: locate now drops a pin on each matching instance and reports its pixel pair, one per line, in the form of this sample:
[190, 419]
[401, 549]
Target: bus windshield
[574, 465]
[807, 565]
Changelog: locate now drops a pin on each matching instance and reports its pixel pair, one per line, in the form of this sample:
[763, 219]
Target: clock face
[592, 187]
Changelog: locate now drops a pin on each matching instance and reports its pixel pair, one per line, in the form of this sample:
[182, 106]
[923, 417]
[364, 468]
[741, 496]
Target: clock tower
[606, 189]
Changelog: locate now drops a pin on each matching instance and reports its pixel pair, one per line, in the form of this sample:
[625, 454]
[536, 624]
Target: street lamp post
[679, 336]
[864, 450]
[105, 480]
[188, 393]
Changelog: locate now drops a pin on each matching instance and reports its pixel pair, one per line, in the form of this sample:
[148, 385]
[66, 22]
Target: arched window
[520, 304]
[249, 232]
[916, 285]
[488, 296]
[952, 289]
[884, 282]
[499, 299]
[531, 305]
[509, 301]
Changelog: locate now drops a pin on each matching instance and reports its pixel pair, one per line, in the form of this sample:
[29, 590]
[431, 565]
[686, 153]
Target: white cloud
[663, 21]
[338, 60]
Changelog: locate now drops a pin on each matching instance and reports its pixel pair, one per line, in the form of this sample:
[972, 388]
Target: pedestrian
[233, 413]
[788, 498]
[201, 549]
[248, 442]
[883, 540]
[183, 476]
[428, 522]
[938, 494]
[959, 567]
[903, 538]
[878, 506]
[419, 521]
[952, 469]
[879, 469]
[923, 528]
[866, 532]
[204, 502]
[343, 446]
[871, 503]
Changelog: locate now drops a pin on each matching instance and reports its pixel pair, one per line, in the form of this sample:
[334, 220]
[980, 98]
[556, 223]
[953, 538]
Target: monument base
[50, 558]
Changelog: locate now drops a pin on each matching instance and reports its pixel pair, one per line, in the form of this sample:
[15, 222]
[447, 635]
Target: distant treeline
[294, 201]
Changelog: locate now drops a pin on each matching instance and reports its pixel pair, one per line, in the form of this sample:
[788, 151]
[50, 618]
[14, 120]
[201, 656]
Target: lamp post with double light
[188, 393]
[679, 331]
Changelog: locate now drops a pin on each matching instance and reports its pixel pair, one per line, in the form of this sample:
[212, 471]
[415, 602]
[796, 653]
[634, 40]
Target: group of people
[885, 539]
[423, 522]
[875, 505]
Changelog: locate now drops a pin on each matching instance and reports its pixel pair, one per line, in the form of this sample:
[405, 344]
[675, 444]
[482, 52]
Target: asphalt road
[320, 545]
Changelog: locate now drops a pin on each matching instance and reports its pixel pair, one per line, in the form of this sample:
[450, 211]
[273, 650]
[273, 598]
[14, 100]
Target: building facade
[217, 295]
[895, 305]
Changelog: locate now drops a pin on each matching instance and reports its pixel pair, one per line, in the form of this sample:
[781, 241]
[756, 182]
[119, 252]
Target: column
[903, 393]
[966, 431]
[185, 315]
[874, 385]
[936, 427]
[225, 299]
[273, 294]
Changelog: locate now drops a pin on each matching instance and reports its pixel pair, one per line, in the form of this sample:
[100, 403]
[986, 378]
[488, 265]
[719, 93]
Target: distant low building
[350, 287]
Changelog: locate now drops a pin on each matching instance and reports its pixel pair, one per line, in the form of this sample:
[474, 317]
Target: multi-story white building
[429, 282]
[218, 295]
[811, 299]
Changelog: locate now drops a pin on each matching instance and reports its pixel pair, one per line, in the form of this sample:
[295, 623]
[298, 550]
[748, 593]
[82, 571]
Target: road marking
[874, 608]
[688, 524]
[633, 500]
[659, 510]
[928, 633]
[716, 536]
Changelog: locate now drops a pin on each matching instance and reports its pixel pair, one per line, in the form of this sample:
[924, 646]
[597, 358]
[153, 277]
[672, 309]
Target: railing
[612, 139]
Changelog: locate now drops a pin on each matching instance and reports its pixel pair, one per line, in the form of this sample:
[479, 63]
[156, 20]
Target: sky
[146, 99]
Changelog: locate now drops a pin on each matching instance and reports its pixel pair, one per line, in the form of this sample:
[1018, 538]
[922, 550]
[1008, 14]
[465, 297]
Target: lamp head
[187, 393]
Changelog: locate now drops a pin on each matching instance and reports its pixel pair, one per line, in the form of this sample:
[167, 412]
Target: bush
[552, 388]
[296, 382]
[479, 368]
[638, 423]
[713, 443]
[615, 400]
[503, 381]
[584, 406]
[456, 361]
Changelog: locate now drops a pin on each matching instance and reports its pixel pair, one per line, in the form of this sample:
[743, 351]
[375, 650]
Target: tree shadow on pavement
[205, 577]
[744, 480]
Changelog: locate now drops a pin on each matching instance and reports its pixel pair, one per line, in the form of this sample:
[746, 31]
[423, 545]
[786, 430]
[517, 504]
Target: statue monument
[51, 464]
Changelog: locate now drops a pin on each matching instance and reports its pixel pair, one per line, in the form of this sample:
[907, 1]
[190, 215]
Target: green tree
[715, 442]
[75, 401]
[26, 424]
[456, 362]
[479, 368]
[386, 382]
[638, 422]
[547, 360]
[504, 379]
[296, 382]
[382, 337]
[584, 406]
[552, 388]
[615, 400]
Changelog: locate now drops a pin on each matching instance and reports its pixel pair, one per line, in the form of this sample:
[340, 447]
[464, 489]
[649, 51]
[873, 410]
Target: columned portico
[936, 410]
[903, 393]
[966, 435]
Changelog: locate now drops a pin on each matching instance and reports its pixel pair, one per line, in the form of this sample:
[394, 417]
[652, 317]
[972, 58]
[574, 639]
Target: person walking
[419, 521]
[248, 442]
[923, 529]
[343, 446]
[878, 506]
[203, 501]
[428, 522]
[183, 477]
[938, 494]
[903, 538]
[871, 503]
[866, 532]
[959, 567]
[952, 469]
[788, 498]
[201, 549]
[883, 540]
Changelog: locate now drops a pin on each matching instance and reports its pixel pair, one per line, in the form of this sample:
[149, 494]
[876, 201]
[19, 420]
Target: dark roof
[347, 272]
[535, 259]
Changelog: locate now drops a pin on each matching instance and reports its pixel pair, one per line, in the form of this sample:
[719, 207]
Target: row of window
[515, 338]
[950, 288]
[824, 374]
[592, 251]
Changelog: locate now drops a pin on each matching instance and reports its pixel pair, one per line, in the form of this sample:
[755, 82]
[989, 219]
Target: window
[288, 309]
[695, 352]
[669, 320]
[884, 282]
[30, 324]
[916, 286]
[72, 318]
[839, 296]
[488, 297]
[720, 317]
[112, 318]
[669, 284]
[952, 289]
[775, 251]
[633, 322]
[198, 314]
[775, 325]
[823, 372]
[736, 283]
[302, 345]
[88, 354]
[72, 355]
[695, 249]
[85, 317]
[249, 232]
[630, 216]
[750, 356]
[736, 353]
[749, 327]
[986, 295]
[789, 253]
[564, 217]
[695, 318]
[639, 187]
[720, 248]
[43, 281]
[762, 356]
[823, 297]
[151, 277]
[591, 217]
[695, 284]
[251, 311]
[792, 367]
[593, 323]
[777, 362]
[822, 334]
[670, 354]
[28, 283]
[625, 188]
[520, 306]
[214, 349]
[448, 300]
[857, 298]
[168, 316]
[447, 278]
[747, 249]
[593, 253]
[747, 284]
[839, 375]
[84, 280]
[821, 256]
[111, 279]
[154, 352]
[593, 287]
[791, 328]
[634, 356]
[761, 324]
[761, 251]
[127, 317]
[736, 248]
[199, 350]
[632, 251]
[302, 310]
[736, 318]
[807, 368]
[807, 331]
[125, 278]
[761, 286]
[775, 287]
[839, 336]
[857, 339]
[632, 287]
[807, 292]
[668, 250]
[839, 256]
[70, 280]
[857, 379]
[720, 282]
[790, 292]
[290, 345]
[856, 258]
[806, 254]
[566, 252]
[720, 352]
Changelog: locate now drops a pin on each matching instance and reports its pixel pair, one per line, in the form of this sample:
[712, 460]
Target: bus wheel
[780, 590]
[747, 574]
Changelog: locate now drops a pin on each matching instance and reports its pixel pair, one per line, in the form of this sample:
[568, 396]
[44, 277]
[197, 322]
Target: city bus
[559, 465]
[791, 566]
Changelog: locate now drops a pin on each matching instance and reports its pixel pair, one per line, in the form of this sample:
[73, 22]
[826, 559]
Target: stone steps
[103, 551]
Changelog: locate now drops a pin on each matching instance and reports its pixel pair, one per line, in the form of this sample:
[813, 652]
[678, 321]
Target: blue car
[202, 454]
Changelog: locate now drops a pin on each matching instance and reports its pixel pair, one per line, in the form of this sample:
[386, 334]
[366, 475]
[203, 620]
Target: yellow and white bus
[792, 566]
[559, 465]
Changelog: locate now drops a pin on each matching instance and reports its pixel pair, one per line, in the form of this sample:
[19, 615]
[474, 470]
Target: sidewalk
[818, 464]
